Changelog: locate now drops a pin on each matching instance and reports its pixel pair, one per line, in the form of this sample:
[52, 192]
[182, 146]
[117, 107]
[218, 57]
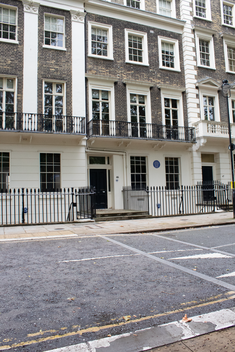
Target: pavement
[209, 332]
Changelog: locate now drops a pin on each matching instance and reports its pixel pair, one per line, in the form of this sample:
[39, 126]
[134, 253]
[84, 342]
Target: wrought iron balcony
[124, 129]
[41, 123]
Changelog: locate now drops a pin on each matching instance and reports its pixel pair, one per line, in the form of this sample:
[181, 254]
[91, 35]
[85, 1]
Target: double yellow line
[185, 306]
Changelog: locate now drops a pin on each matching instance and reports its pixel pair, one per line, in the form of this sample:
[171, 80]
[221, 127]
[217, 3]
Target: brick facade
[55, 64]
[11, 55]
[219, 74]
[139, 73]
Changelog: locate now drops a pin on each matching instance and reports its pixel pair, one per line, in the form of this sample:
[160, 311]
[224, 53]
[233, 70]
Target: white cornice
[77, 16]
[125, 13]
[67, 5]
[31, 7]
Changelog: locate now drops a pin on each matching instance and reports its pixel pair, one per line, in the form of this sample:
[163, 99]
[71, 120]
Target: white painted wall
[78, 64]
[25, 165]
[118, 180]
[30, 83]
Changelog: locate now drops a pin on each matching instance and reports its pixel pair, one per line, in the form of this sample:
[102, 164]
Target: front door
[98, 179]
[207, 183]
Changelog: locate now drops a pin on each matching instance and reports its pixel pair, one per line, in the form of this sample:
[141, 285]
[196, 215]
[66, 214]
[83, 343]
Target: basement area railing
[31, 206]
[160, 201]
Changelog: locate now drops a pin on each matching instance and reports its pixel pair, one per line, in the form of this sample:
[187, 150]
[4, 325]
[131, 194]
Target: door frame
[109, 174]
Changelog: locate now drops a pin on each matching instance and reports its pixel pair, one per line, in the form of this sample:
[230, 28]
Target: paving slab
[117, 227]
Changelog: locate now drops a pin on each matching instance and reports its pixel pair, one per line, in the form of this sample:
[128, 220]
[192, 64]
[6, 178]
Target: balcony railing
[212, 129]
[41, 123]
[152, 131]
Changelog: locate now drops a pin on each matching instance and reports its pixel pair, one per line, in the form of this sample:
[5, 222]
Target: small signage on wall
[156, 164]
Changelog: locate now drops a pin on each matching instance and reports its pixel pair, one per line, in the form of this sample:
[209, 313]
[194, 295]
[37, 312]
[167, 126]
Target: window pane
[95, 94]
[48, 87]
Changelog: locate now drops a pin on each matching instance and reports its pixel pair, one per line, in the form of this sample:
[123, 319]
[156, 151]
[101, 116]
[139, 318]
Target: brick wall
[11, 55]
[54, 64]
[126, 71]
[219, 74]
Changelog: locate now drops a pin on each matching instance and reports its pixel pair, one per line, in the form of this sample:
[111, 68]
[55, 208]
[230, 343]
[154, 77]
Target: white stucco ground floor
[112, 166]
[42, 161]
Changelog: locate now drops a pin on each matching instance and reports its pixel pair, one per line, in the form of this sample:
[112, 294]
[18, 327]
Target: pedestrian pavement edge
[161, 335]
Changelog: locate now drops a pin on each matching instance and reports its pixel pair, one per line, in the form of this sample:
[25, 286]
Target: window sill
[54, 48]
[137, 63]
[101, 57]
[231, 72]
[207, 67]
[9, 41]
[228, 25]
[170, 69]
[204, 19]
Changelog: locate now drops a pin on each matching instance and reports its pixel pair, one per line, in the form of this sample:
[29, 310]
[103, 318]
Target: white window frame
[64, 103]
[230, 105]
[208, 11]
[109, 30]
[44, 30]
[144, 37]
[12, 41]
[179, 173]
[105, 85]
[173, 12]
[14, 89]
[209, 38]
[228, 44]
[142, 5]
[64, 93]
[139, 90]
[134, 155]
[173, 94]
[52, 173]
[175, 43]
[2, 173]
[209, 92]
[222, 13]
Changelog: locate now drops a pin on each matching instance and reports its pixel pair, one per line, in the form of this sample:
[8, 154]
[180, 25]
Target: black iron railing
[188, 200]
[30, 206]
[41, 123]
[160, 201]
[140, 130]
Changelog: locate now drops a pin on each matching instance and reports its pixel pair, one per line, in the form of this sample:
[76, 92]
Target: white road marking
[227, 275]
[204, 256]
[171, 264]
[194, 245]
[225, 245]
[124, 255]
[97, 258]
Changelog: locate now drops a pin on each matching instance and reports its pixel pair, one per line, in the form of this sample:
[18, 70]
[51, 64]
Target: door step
[113, 215]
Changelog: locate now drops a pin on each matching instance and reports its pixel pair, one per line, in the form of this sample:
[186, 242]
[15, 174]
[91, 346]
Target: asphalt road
[56, 293]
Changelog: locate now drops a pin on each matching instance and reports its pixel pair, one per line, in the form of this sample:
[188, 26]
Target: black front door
[207, 183]
[98, 179]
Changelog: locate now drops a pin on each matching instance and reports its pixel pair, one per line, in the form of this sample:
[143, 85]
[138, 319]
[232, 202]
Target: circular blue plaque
[156, 164]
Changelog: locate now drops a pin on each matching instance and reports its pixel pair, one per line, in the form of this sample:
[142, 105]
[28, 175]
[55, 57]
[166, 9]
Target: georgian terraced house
[114, 94]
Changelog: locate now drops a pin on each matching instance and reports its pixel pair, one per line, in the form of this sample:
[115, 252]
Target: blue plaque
[25, 210]
[156, 164]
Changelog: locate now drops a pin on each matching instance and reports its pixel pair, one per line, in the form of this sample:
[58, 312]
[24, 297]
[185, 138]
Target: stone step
[116, 218]
[112, 215]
